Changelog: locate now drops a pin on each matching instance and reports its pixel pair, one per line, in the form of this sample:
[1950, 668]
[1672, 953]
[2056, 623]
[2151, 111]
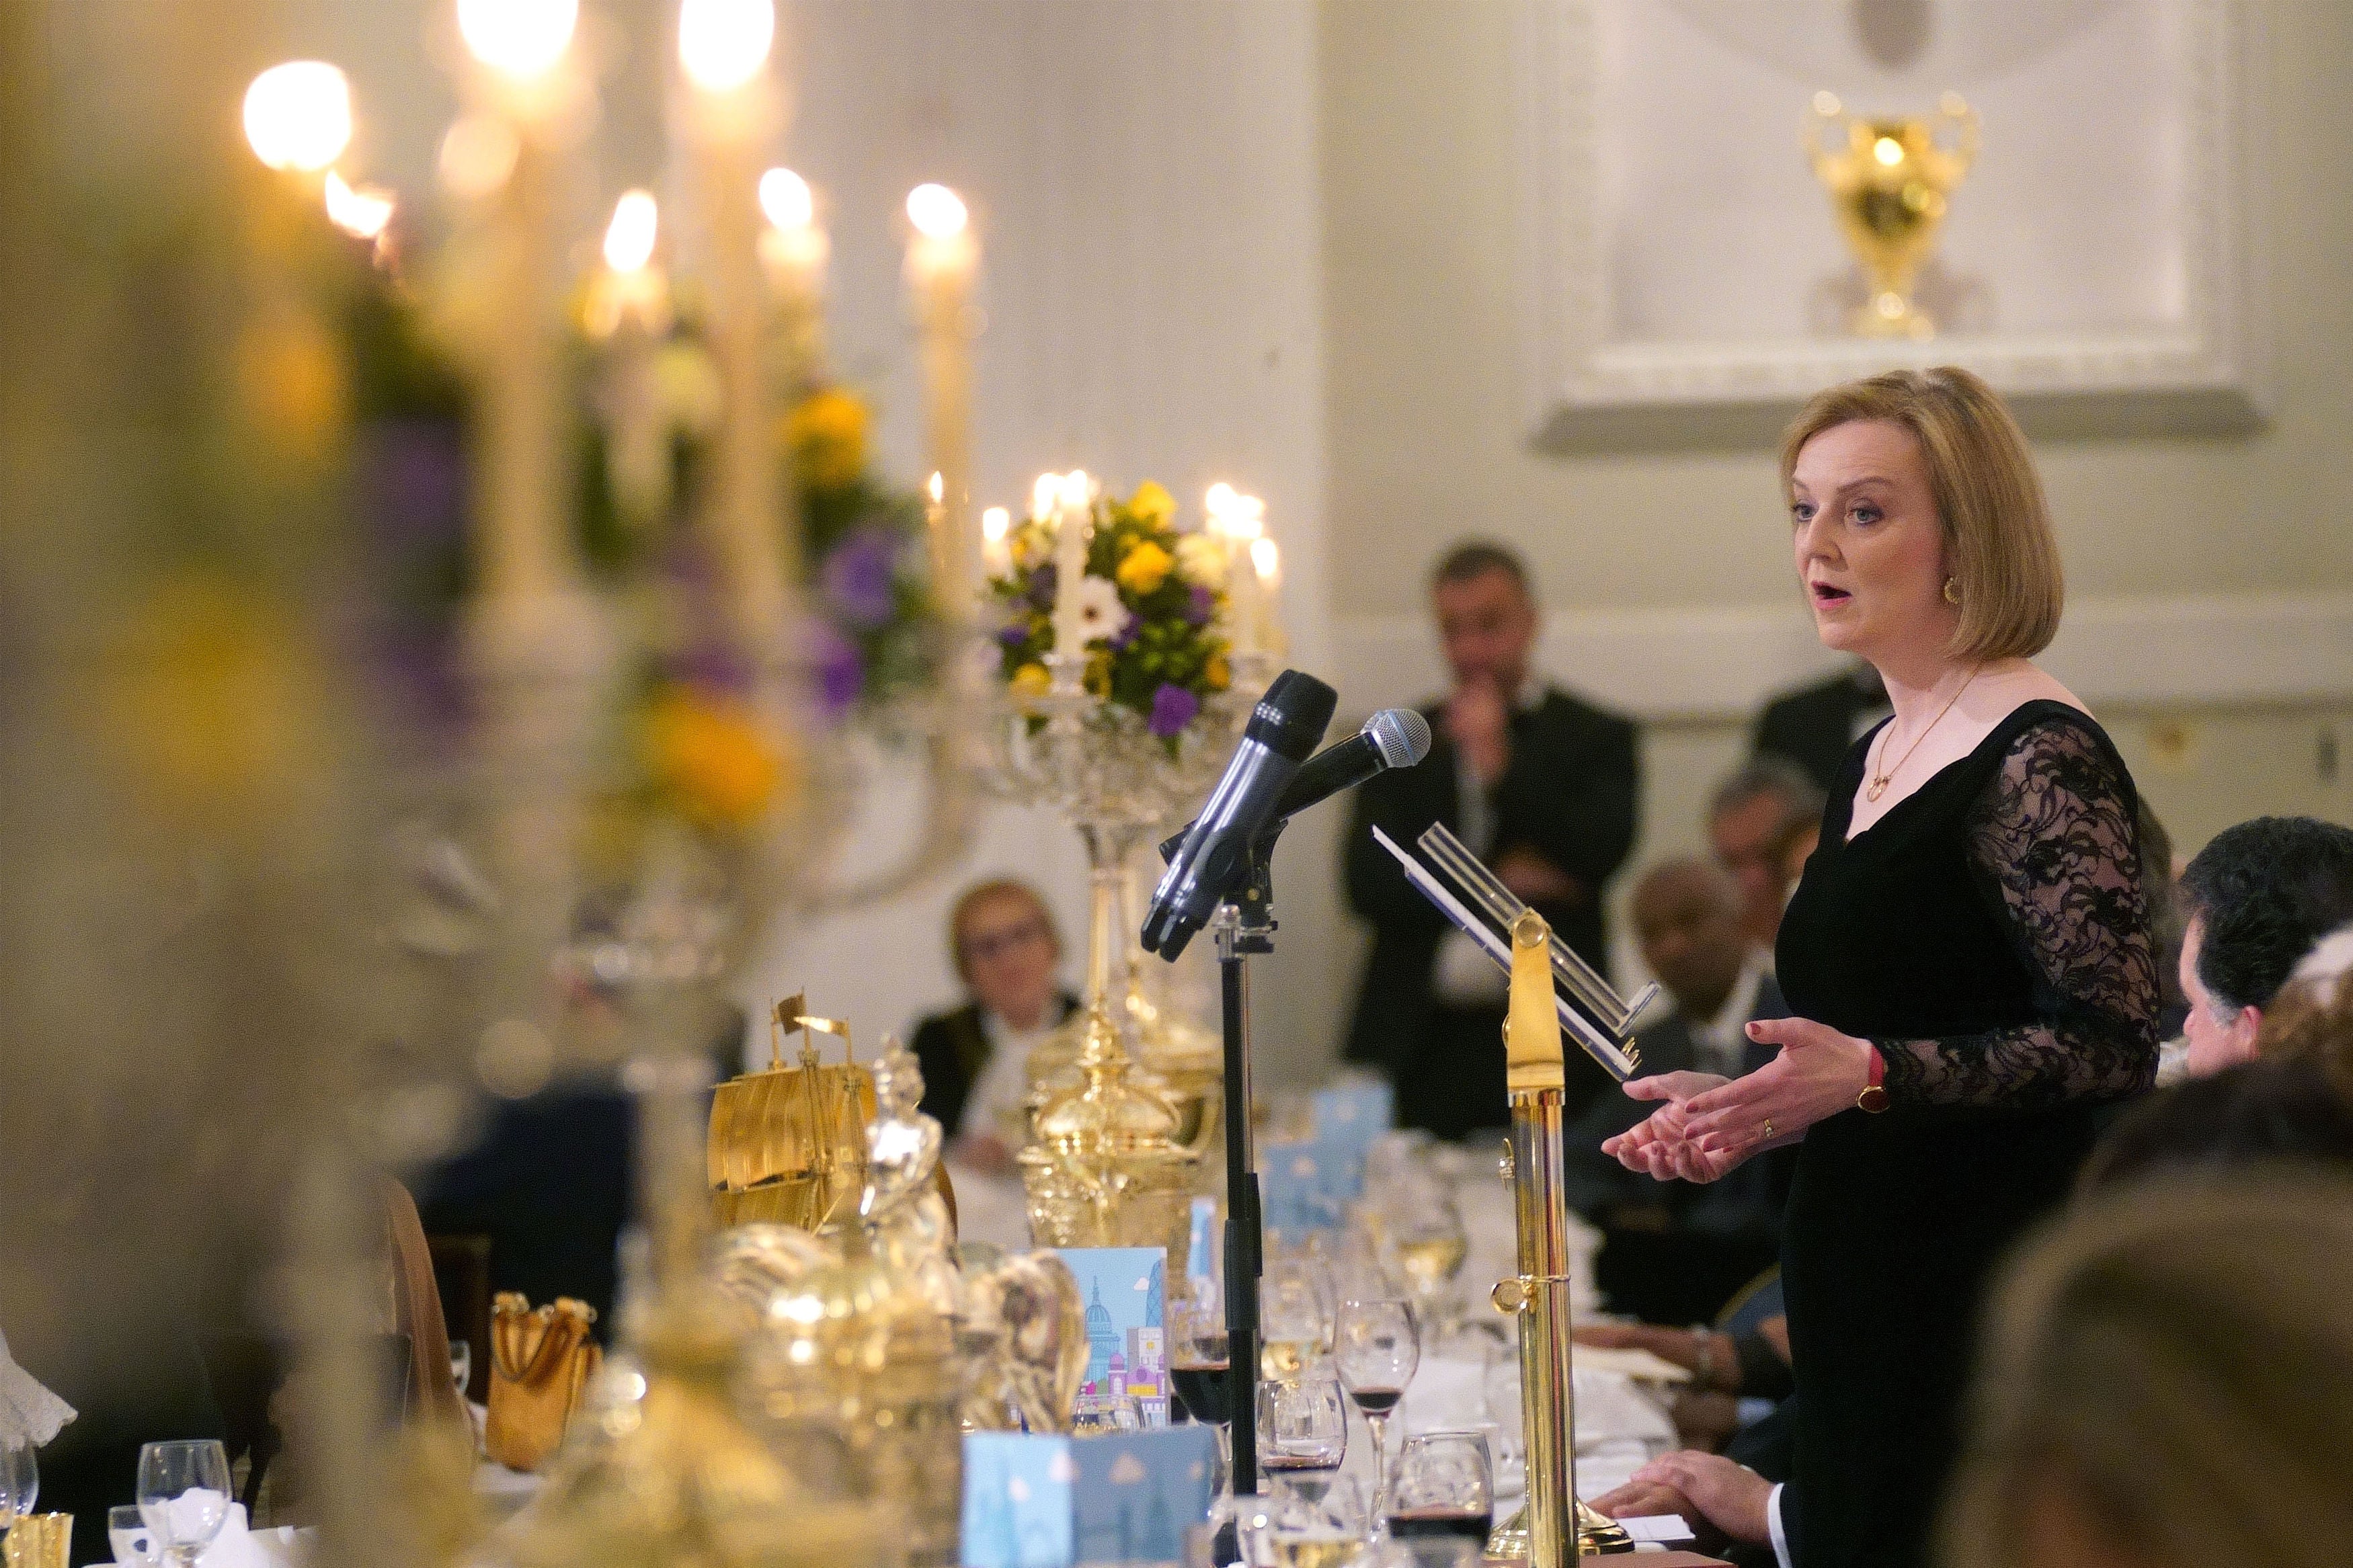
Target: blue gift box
[1032, 1502]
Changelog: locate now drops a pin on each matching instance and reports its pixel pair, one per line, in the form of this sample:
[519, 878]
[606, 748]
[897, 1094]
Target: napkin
[28, 1412]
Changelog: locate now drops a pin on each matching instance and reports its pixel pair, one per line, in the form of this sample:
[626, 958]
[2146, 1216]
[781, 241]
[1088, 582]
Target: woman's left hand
[1819, 1073]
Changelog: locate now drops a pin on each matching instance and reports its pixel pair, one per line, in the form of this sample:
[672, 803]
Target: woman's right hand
[1658, 1147]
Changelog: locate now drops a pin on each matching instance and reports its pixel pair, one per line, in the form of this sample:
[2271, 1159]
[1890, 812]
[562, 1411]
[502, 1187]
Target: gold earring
[1952, 591]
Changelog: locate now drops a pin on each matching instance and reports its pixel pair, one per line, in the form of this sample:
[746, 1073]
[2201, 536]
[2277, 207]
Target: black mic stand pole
[1245, 925]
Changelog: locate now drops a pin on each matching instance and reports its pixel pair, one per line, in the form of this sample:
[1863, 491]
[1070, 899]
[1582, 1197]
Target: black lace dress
[1990, 935]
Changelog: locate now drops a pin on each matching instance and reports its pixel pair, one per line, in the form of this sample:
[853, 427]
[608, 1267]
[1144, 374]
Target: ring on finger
[1769, 1128]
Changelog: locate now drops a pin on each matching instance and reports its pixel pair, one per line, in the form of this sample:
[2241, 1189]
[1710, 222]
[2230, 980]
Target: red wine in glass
[1377, 1401]
[1421, 1523]
[1207, 1389]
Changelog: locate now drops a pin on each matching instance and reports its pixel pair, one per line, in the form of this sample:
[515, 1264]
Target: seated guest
[1758, 815]
[1743, 1360]
[1539, 784]
[1002, 939]
[2253, 1113]
[2311, 1019]
[1816, 725]
[2161, 1384]
[1673, 1252]
[2256, 898]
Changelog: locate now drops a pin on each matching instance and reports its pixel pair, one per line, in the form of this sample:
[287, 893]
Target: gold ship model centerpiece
[788, 1145]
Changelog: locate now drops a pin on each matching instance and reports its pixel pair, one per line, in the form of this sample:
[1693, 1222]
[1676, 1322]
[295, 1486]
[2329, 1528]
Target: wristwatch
[1873, 1097]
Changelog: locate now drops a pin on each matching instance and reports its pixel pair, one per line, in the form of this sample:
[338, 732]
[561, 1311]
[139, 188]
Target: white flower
[1201, 558]
[1100, 614]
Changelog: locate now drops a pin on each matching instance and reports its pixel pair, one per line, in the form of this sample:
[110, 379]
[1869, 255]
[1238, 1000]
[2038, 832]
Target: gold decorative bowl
[1108, 1167]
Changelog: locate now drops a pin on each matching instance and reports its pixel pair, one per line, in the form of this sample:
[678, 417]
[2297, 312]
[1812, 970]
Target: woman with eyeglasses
[1002, 939]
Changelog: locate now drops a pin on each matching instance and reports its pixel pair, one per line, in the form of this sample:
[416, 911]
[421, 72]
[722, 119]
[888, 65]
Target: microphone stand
[1244, 924]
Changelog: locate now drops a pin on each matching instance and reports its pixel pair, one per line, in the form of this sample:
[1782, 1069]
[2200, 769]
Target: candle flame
[786, 199]
[1078, 490]
[994, 524]
[478, 155]
[937, 212]
[1220, 498]
[937, 487]
[520, 38]
[362, 213]
[1044, 494]
[629, 238]
[299, 115]
[1888, 151]
[1265, 558]
[723, 44]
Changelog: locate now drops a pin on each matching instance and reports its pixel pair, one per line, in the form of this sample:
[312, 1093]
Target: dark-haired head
[2256, 898]
[2257, 1114]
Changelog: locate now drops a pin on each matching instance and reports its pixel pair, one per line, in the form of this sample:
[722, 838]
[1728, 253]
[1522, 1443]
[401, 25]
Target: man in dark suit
[1002, 938]
[1815, 725]
[1542, 787]
[1674, 1252]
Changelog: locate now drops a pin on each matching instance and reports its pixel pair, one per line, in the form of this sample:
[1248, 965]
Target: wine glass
[1302, 1431]
[1297, 1530]
[183, 1496]
[462, 1364]
[1499, 1389]
[1425, 1246]
[1377, 1347]
[133, 1542]
[1294, 1317]
[20, 1483]
[1445, 1485]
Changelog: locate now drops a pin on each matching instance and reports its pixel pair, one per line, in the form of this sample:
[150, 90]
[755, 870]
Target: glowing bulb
[299, 115]
[1044, 494]
[994, 524]
[937, 487]
[520, 38]
[937, 211]
[786, 197]
[723, 44]
[629, 238]
[362, 214]
[1888, 151]
[1265, 558]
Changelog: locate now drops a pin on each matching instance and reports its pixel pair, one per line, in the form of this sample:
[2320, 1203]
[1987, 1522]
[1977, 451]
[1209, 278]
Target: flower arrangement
[1149, 609]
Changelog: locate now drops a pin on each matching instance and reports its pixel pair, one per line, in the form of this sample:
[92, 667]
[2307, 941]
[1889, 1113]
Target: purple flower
[1041, 588]
[1199, 606]
[1013, 634]
[1122, 639]
[840, 673]
[1173, 708]
[855, 578]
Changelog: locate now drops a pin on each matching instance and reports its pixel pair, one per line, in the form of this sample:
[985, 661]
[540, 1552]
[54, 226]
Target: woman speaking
[1967, 955]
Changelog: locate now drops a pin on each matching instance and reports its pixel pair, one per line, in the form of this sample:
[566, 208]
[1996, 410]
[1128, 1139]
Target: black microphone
[1392, 738]
[1284, 729]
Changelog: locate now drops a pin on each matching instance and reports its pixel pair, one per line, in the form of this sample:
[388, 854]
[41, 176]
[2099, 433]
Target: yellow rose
[828, 433]
[1144, 568]
[1152, 504]
[714, 755]
[1031, 680]
[1217, 673]
[1202, 559]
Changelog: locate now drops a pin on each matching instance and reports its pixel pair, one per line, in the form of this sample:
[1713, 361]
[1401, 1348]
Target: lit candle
[505, 152]
[794, 250]
[297, 117]
[628, 310]
[1075, 516]
[996, 543]
[723, 47]
[1266, 570]
[1238, 520]
[942, 257]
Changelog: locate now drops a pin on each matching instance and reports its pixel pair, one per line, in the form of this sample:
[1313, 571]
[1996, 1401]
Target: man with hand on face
[1542, 787]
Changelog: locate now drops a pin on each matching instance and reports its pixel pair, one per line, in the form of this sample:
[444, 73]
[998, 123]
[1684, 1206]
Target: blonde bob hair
[2169, 1365]
[1998, 547]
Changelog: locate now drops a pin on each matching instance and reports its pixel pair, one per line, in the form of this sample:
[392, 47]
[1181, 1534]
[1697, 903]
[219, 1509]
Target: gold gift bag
[39, 1540]
[541, 1360]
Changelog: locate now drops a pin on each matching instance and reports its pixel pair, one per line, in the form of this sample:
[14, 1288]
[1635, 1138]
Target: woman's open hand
[1819, 1073]
[1659, 1146]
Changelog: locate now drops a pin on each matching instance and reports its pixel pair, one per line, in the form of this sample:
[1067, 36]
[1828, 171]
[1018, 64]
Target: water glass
[133, 1542]
[1444, 1485]
[1296, 1529]
[183, 1496]
[462, 1364]
[1302, 1429]
[20, 1482]
[1294, 1316]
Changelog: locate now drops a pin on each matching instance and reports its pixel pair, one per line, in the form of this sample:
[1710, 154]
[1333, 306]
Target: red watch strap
[1873, 1097]
[1878, 1068]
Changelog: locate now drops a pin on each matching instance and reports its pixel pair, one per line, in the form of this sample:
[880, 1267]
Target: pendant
[1877, 788]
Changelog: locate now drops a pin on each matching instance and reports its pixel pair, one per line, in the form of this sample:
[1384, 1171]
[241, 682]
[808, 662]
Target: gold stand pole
[1553, 1529]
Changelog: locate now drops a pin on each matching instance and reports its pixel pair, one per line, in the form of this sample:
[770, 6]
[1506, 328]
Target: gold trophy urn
[788, 1145]
[1889, 182]
[1106, 1168]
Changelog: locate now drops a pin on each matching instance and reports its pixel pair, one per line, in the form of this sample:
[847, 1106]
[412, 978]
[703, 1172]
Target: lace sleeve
[2056, 836]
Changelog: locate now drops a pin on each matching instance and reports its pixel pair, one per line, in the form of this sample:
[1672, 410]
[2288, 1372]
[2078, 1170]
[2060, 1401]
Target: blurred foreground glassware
[1302, 1431]
[1294, 1315]
[1298, 1531]
[1378, 1348]
[183, 1496]
[133, 1542]
[20, 1482]
[1444, 1484]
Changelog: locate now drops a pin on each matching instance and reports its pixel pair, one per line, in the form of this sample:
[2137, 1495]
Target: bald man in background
[1674, 1252]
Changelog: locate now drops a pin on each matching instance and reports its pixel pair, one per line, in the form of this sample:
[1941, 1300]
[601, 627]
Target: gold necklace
[1878, 785]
